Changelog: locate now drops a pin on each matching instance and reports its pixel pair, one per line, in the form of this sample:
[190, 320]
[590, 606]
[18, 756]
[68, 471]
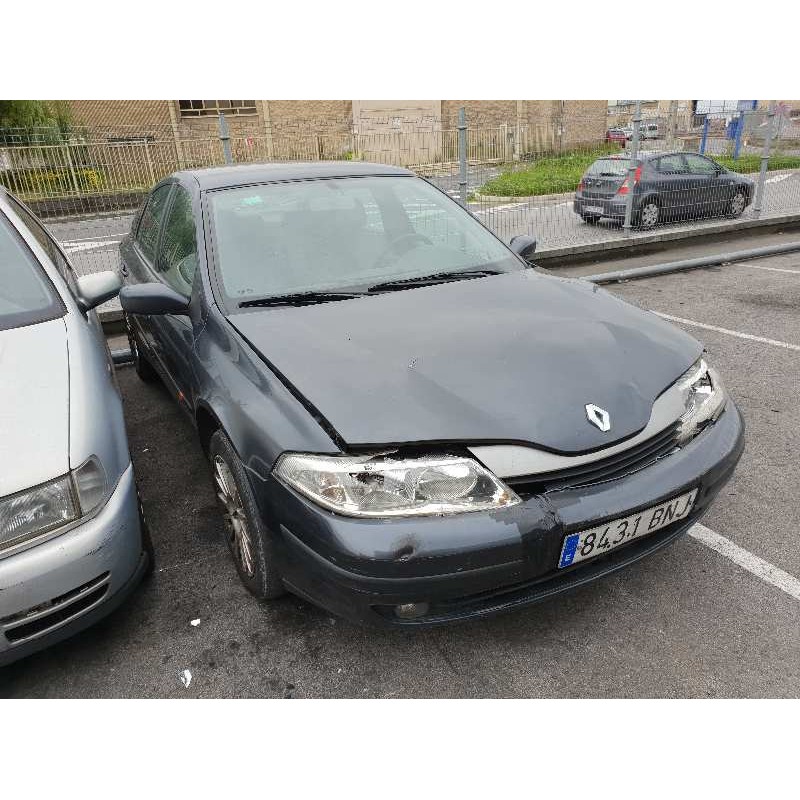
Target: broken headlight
[704, 396]
[380, 486]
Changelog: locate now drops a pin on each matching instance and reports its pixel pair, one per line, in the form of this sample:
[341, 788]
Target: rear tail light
[623, 189]
[580, 186]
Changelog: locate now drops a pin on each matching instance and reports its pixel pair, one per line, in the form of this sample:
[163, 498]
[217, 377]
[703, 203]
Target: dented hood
[509, 358]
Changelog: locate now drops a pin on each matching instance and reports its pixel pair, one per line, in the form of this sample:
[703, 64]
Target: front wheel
[249, 541]
[649, 215]
[737, 205]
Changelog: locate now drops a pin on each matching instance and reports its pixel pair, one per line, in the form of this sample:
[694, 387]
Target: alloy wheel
[236, 525]
[649, 215]
[737, 204]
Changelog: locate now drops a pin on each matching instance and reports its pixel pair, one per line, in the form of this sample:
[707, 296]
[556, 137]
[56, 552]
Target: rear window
[26, 294]
[610, 167]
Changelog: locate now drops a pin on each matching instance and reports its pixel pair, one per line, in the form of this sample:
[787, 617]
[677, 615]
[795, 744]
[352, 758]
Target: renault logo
[598, 416]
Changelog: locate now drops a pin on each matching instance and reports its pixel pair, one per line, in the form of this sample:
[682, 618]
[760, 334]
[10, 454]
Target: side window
[671, 165]
[700, 166]
[150, 224]
[46, 241]
[177, 257]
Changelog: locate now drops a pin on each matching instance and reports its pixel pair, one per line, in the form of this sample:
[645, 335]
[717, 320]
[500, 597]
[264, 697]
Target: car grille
[604, 469]
[55, 612]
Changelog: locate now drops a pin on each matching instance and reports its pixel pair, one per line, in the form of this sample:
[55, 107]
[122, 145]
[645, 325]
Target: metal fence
[518, 176]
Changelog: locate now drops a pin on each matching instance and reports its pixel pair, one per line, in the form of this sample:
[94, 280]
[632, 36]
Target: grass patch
[557, 174]
[549, 175]
[752, 162]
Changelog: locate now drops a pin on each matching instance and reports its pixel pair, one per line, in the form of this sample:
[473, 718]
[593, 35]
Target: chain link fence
[516, 176]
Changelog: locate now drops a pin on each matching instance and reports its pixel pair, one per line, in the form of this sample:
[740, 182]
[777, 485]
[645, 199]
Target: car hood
[508, 358]
[34, 405]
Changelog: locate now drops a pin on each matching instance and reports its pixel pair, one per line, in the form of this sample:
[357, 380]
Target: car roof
[246, 174]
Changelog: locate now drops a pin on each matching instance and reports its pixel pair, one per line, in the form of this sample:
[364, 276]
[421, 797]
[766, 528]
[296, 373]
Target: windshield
[342, 234]
[26, 295]
[610, 167]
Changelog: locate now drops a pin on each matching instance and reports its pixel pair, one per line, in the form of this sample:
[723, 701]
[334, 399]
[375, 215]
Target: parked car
[666, 186]
[72, 540]
[647, 130]
[406, 423]
[617, 135]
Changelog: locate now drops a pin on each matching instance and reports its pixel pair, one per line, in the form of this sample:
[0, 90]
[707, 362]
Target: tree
[20, 119]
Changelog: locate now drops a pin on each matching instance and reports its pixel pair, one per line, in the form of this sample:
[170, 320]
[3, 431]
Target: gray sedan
[72, 540]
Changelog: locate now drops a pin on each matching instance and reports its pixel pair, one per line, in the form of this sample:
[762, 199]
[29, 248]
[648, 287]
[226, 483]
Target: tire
[590, 219]
[249, 541]
[737, 204]
[144, 369]
[649, 214]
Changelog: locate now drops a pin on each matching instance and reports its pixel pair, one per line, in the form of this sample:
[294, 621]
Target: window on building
[210, 108]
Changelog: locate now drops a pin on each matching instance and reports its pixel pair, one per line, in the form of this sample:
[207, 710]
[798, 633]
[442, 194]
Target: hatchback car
[616, 135]
[406, 423]
[666, 186]
[72, 542]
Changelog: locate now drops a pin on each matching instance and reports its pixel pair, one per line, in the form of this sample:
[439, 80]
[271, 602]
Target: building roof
[243, 174]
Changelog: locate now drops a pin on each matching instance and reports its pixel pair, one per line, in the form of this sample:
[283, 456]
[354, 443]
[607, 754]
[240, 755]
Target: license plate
[594, 209]
[610, 535]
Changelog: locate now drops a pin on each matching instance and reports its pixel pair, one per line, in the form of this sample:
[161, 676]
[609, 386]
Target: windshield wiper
[299, 299]
[430, 280]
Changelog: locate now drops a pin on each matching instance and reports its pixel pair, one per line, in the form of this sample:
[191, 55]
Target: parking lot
[687, 621]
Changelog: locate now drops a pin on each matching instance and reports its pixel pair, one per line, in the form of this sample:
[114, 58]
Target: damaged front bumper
[475, 564]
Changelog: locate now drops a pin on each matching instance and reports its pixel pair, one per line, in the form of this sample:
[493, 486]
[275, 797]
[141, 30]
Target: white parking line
[771, 269]
[739, 334]
[115, 236]
[75, 248]
[777, 178]
[768, 573]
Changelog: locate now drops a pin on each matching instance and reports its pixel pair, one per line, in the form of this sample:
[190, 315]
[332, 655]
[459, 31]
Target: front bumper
[476, 564]
[63, 585]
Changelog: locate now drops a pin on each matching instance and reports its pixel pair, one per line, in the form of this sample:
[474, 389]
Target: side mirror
[151, 299]
[96, 289]
[524, 246]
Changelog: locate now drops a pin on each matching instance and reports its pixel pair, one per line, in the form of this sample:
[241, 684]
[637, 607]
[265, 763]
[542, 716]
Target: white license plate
[594, 209]
[597, 541]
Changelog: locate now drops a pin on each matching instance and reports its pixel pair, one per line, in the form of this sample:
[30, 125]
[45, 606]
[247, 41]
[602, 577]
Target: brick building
[577, 120]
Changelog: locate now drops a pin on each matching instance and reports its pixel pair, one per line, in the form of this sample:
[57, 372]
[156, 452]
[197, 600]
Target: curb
[632, 243]
[692, 263]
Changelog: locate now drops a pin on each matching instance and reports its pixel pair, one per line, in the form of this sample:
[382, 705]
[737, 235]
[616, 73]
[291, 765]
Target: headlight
[704, 396]
[36, 511]
[379, 486]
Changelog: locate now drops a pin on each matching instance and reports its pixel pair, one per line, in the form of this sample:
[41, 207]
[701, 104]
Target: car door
[672, 184]
[176, 265]
[138, 254]
[711, 190]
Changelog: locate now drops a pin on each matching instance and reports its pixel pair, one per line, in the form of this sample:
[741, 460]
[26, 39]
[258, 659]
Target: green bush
[52, 180]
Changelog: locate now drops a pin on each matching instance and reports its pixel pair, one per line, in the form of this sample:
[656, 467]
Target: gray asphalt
[686, 622]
